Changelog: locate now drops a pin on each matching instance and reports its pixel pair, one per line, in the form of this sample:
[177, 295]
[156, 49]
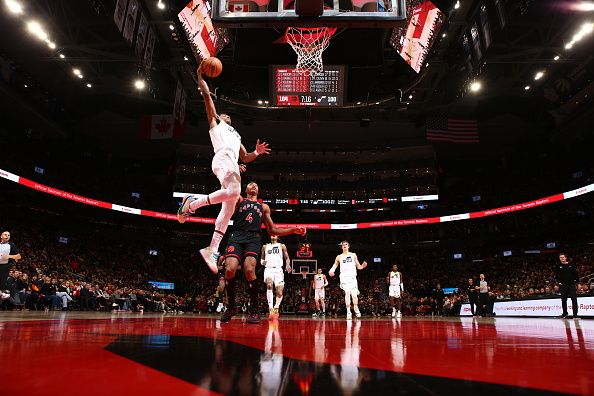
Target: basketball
[211, 67]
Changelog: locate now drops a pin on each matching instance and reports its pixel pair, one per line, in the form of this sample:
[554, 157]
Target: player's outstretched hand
[300, 231]
[331, 273]
[262, 148]
[364, 264]
[242, 168]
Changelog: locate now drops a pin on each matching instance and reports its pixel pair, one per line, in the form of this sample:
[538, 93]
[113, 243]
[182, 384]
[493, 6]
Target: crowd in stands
[96, 273]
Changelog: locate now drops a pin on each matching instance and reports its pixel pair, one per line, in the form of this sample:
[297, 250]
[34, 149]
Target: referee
[567, 277]
[8, 254]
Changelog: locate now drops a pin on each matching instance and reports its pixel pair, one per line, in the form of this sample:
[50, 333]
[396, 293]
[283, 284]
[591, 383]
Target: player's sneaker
[323, 314]
[210, 258]
[227, 315]
[349, 316]
[220, 308]
[399, 314]
[275, 313]
[357, 312]
[394, 313]
[253, 318]
[184, 210]
[314, 315]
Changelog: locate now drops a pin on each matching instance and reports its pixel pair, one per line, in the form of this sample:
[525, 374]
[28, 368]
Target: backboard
[281, 13]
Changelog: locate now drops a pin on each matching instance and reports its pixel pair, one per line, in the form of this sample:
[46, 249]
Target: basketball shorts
[243, 244]
[224, 165]
[394, 291]
[276, 274]
[349, 285]
[320, 294]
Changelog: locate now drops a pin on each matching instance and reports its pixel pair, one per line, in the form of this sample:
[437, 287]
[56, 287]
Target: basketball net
[309, 44]
[304, 274]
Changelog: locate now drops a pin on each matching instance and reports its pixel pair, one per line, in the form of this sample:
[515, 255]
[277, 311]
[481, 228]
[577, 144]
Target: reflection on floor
[112, 354]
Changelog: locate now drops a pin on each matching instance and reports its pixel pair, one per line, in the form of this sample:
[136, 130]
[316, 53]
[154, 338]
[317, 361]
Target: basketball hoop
[304, 274]
[309, 44]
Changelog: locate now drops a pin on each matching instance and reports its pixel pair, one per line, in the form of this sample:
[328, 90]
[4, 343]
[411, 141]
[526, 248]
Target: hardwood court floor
[132, 354]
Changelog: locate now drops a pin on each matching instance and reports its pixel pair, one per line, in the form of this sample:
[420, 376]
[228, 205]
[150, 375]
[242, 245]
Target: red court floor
[129, 354]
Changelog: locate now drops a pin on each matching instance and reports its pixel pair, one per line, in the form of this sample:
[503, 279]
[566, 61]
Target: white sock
[270, 298]
[215, 241]
[278, 301]
[200, 201]
[323, 306]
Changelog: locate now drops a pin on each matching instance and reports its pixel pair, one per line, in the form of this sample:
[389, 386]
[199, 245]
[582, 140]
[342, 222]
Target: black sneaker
[227, 315]
[564, 316]
[253, 318]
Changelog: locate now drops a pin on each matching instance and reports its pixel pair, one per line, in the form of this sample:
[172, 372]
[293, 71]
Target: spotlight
[186, 58]
[538, 75]
[52, 45]
[457, 5]
[36, 29]
[556, 58]
[89, 85]
[62, 56]
[160, 5]
[139, 85]
[26, 86]
[80, 76]
[14, 6]
[76, 72]
[475, 86]
[444, 35]
[265, 102]
[410, 96]
[171, 27]
[527, 88]
[569, 45]
[260, 102]
[358, 103]
[584, 6]
[376, 103]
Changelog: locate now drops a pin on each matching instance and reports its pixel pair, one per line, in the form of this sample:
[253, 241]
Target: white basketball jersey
[318, 281]
[224, 136]
[394, 278]
[347, 265]
[274, 255]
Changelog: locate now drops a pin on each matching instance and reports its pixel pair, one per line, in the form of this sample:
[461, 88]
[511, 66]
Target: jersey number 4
[249, 218]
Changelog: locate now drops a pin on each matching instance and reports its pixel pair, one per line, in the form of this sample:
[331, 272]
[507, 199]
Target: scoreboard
[291, 88]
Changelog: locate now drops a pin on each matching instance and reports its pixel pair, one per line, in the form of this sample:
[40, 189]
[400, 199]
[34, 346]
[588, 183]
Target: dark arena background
[451, 138]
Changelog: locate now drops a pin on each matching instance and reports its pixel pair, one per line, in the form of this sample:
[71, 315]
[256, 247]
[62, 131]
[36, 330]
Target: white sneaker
[349, 316]
[184, 210]
[393, 313]
[210, 258]
[357, 312]
[398, 314]
[219, 308]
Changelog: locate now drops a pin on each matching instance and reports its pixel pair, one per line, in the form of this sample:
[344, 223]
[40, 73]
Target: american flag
[443, 129]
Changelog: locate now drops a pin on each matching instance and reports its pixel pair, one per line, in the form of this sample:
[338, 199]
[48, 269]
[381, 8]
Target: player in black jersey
[244, 245]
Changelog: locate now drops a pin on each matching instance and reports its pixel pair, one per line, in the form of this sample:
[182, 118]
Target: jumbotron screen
[290, 88]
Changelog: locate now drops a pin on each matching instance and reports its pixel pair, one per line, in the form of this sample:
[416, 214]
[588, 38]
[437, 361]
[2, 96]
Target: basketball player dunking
[395, 290]
[272, 257]
[228, 149]
[349, 264]
[244, 244]
[319, 285]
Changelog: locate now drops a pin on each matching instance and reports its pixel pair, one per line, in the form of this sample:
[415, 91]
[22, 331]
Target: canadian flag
[239, 7]
[159, 127]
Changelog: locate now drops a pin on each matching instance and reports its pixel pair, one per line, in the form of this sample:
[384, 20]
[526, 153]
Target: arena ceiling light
[457, 5]
[76, 72]
[476, 86]
[171, 27]
[160, 5]
[62, 56]
[538, 75]
[527, 88]
[36, 29]
[556, 58]
[89, 85]
[139, 84]
[583, 6]
[14, 6]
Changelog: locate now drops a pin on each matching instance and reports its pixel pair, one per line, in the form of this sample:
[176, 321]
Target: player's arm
[274, 230]
[333, 269]
[261, 148]
[263, 255]
[388, 278]
[211, 111]
[401, 283]
[287, 258]
[325, 281]
[360, 266]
